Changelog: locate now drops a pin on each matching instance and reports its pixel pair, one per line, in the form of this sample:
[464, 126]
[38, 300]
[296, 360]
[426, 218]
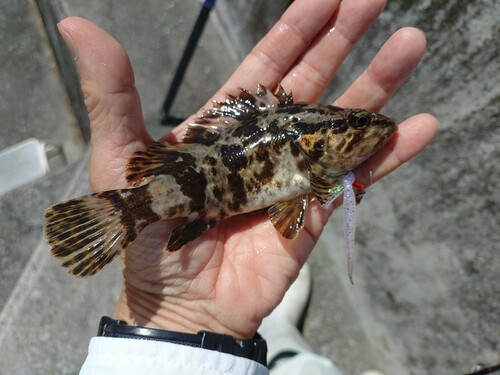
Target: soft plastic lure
[346, 185]
[349, 219]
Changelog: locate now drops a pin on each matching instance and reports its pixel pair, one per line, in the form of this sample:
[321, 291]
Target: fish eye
[359, 120]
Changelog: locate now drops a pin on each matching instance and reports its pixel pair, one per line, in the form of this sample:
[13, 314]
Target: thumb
[113, 104]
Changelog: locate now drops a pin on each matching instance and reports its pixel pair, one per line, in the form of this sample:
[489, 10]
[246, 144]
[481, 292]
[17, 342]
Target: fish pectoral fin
[325, 191]
[188, 231]
[288, 217]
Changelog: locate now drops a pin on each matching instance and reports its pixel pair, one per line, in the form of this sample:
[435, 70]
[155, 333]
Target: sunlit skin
[232, 276]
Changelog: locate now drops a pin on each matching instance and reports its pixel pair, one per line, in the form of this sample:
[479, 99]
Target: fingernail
[69, 41]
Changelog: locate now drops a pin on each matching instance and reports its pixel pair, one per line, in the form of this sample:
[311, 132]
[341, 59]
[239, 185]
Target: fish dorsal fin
[284, 99]
[233, 111]
[159, 158]
[288, 217]
[326, 191]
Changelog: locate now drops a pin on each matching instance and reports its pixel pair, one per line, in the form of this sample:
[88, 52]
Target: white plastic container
[22, 163]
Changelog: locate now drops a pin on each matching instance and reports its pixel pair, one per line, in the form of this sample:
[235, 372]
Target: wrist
[143, 309]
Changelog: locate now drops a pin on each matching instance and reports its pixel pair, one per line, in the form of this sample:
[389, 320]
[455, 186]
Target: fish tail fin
[87, 233]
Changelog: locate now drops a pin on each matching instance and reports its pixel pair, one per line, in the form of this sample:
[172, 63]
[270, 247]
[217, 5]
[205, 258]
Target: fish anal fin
[188, 231]
[232, 111]
[288, 217]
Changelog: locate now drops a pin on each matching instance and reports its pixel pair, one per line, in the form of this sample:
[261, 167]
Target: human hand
[235, 274]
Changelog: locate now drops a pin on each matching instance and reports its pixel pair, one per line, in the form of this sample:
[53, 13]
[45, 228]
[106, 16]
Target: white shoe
[281, 327]
[294, 305]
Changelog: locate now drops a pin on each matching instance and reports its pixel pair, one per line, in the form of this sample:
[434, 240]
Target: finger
[309, 77]
[304, 22]
[392, 65]
[112, 101]
[273, 56]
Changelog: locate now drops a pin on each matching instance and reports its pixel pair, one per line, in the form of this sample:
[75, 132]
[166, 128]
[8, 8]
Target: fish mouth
[385, 133]
[387, 123]
[383, 121]
[382, 141]
[379, 135]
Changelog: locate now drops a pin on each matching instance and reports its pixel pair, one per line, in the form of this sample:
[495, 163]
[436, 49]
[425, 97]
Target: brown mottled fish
[247, 153]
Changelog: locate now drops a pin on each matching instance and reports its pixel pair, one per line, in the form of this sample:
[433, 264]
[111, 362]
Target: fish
[248, 153]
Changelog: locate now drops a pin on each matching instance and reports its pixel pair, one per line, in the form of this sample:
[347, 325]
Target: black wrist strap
[254, 349]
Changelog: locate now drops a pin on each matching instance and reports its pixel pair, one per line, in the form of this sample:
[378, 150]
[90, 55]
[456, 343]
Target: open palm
[231, 277]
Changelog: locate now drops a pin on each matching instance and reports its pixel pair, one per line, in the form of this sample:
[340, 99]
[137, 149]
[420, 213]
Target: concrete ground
[47, 315]
[427, 285]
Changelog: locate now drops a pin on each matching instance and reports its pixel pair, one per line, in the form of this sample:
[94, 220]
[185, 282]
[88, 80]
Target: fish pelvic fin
[289, 217]
[188, 231]
[87, 233]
